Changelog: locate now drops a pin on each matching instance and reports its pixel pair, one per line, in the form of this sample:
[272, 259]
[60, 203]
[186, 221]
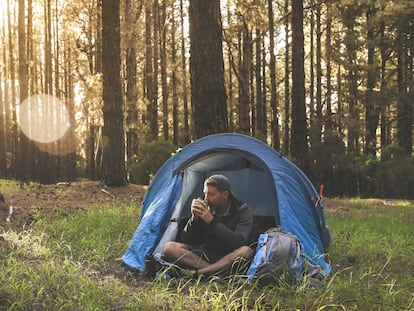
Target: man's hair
[218, 181]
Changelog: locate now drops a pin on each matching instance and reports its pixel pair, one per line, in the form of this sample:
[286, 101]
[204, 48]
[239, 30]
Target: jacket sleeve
[240, 235]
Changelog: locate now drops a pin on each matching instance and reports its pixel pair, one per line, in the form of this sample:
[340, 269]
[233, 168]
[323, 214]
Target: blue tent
[278, 191]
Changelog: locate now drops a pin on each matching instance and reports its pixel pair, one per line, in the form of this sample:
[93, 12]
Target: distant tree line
[328, 84]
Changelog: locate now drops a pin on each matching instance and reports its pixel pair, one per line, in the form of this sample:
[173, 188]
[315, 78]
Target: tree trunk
[244, 75]
[70, 141]
[328, 56]
[318, 110]
[46, 164]
[231, 101]
[163, 60]
[24, 163]
[174, 83]
[258, 120]
[311, 94]
[154, 107]
[207, 68]
[150, 75]
[16, 152]
[273, 86]
[371, 108]
[353, 122]
[404, 100]
[299, 133]
[131, 83]
[286, 123]
[114, 173]
[187, 111]
[264, 91]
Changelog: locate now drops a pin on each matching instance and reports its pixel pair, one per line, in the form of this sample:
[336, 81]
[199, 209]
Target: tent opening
[250, 179]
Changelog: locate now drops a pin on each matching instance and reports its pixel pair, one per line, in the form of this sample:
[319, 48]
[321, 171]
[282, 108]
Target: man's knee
[171, 249]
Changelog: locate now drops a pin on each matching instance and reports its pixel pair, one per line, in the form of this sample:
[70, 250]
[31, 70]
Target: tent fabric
[275, 187]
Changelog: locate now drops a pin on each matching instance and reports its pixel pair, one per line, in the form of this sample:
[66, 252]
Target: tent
[278, 191]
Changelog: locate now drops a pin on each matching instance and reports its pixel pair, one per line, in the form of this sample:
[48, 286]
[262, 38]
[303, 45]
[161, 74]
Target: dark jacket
[223, 234]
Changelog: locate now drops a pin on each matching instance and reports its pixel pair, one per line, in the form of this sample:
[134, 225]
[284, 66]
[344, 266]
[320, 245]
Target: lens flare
[43, 118]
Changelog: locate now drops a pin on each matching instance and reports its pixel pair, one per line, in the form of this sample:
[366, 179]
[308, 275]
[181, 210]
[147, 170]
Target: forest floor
[32, 202]
[28, 201]
[370, 251]
[70, 197]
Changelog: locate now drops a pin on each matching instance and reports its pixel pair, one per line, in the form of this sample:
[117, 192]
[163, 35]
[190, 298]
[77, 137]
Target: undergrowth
[72, 263]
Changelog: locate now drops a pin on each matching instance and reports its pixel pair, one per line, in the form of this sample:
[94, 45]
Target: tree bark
[187, 110]
[131, 82]
[163, 61]
[207, 68]
[286, 122]
[114, 173]
[371, 107]
[24, 161]
[273, 86]
[299, 147]
[244, 75]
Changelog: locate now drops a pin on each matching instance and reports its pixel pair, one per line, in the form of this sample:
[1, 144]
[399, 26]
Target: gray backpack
[278, 257]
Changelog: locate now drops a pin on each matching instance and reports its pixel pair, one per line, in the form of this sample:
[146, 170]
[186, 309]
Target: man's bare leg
[179, 254]
[243, 252]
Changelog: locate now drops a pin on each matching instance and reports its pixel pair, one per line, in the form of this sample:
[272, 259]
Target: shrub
[150, 158]
[392, 178]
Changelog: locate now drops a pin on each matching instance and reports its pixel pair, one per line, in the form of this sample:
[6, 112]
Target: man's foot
[150, 266]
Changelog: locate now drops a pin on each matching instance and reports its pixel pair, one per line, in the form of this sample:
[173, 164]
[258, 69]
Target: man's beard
[212, 206]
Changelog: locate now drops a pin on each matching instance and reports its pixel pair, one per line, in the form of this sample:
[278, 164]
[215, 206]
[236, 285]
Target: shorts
[206, 254]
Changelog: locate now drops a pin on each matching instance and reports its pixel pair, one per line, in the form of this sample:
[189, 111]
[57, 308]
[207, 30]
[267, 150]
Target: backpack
[278, 257]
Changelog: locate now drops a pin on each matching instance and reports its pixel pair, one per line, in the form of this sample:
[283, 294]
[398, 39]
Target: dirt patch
[68, 198]
[18, 209]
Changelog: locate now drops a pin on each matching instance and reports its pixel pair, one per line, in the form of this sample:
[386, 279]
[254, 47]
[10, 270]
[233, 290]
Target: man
[218, 232]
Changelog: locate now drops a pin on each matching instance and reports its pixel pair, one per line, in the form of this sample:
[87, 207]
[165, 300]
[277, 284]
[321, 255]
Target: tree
[405, 60]
[371, 107]
[163, 62]
[244, 77]
[151, 74]
[184, 83]
[131, 81]
[286, 123]
[273, 86]
[352, 66]
[208, 93]
[114, 173]
[299, 148]
[24, 159]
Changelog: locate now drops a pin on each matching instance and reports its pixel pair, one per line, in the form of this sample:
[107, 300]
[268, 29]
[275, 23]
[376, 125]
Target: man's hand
[199, 209]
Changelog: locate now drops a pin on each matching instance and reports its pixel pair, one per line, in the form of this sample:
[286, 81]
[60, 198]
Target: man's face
[216, 199]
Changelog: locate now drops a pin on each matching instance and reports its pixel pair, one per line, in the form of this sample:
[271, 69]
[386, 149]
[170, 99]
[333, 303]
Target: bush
[150, 158]
[388, 179]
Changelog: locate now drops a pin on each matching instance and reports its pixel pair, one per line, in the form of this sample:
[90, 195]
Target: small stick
[8, 219]
[108, 193]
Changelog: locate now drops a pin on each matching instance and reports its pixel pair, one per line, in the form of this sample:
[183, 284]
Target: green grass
[69, 263]
[8, 186]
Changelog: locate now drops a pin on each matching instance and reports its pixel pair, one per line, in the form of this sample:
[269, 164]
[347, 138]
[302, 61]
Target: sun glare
[43, 118]
[2, 15]
[3, 11]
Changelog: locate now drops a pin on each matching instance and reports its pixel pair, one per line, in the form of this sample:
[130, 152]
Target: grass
[9, 186]
[70, 263]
